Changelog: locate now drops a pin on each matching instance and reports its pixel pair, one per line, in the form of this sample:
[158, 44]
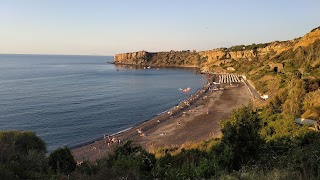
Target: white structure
[265, 97]
[304, 121]
[228, 78]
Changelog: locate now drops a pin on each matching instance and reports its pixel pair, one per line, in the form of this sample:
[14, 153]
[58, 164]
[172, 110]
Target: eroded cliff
[171, 58]
[210, 59]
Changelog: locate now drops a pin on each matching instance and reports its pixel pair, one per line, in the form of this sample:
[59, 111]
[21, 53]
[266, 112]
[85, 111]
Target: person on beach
[105, 138]
[109, 140]
[207, 110]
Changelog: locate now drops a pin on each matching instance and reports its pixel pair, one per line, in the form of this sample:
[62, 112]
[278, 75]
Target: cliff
[171, 58]
[137, 58]
[215, 58]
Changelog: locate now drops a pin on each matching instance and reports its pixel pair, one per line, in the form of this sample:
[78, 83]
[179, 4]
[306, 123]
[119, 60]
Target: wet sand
[184, 123]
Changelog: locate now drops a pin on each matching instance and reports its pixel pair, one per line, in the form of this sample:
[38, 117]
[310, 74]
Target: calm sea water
[71, 100]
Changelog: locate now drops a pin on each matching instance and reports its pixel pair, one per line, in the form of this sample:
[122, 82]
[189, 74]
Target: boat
[186, 89]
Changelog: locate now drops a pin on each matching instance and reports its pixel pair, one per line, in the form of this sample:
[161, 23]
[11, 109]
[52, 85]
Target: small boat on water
[186, 89]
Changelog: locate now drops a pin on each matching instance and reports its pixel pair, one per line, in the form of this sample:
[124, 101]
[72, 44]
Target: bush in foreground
[61, 160]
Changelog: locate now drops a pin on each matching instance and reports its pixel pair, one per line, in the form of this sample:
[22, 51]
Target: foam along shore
[193, 120]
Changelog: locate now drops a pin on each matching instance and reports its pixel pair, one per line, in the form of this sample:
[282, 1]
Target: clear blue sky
[101, 27]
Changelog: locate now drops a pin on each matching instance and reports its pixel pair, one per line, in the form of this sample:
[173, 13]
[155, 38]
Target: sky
[107, 27]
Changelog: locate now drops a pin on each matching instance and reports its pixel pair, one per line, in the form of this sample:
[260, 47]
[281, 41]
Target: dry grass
[174, 149]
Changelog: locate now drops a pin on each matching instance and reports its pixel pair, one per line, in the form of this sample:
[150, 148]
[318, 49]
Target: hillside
[212, 60]
[274, 68]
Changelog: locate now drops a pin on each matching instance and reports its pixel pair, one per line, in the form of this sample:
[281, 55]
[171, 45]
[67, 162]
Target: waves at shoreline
[177, 107]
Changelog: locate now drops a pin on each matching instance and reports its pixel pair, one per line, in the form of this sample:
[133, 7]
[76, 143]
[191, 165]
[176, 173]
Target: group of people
[110, 140]
[141, 133]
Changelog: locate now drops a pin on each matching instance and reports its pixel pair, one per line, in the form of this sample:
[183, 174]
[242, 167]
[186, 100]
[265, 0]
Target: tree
[22, 141]
[241, 136]
[132, 161]
[29, 141]
[62, 160]
[22, 155]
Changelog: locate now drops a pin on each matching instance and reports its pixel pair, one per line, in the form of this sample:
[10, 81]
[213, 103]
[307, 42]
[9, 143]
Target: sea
[71, 100]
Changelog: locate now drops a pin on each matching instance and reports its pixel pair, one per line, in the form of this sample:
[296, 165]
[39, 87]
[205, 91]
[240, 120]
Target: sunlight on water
[69, 100]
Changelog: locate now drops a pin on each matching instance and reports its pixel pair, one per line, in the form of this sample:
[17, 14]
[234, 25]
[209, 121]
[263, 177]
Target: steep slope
[288, 71]
[211, 60]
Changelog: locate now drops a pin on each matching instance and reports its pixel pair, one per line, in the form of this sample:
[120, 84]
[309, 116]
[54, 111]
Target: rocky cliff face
[172, 58]
[139, 57]
[245, 54]
[215, 57]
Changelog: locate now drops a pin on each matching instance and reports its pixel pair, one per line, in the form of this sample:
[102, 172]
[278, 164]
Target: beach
[193, 120]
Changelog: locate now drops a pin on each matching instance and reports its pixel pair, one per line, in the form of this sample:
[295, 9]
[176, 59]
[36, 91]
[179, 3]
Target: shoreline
[210, 77]
[194, 119]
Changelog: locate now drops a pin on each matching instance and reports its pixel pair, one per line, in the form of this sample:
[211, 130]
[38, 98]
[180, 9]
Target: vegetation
[248, 47]
[22, 156]
[176, 58]
[260, 141]
[247, 149]
[62, 161]
[242, 152]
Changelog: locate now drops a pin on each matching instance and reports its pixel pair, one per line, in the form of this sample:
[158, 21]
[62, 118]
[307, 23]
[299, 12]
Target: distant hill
[213, 60]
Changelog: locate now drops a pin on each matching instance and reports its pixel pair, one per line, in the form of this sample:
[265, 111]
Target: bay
[72, 100]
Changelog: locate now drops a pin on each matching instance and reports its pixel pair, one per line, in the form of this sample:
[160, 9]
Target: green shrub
[22, 141]
[22, 155]
[241, 136]
[61, 160]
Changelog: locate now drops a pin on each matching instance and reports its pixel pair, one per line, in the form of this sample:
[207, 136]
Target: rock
[208, 59]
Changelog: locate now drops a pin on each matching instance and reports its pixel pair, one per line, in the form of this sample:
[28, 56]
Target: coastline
[193, 120]
[159, 115]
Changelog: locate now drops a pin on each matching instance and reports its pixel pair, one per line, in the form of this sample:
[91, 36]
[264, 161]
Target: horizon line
[54, 54]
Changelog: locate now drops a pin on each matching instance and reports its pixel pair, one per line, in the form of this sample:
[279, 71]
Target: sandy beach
[194, 120]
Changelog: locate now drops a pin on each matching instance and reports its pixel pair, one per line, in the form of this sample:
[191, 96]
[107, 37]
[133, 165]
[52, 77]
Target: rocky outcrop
[139, 57]
[250, 54]
[171, 58]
